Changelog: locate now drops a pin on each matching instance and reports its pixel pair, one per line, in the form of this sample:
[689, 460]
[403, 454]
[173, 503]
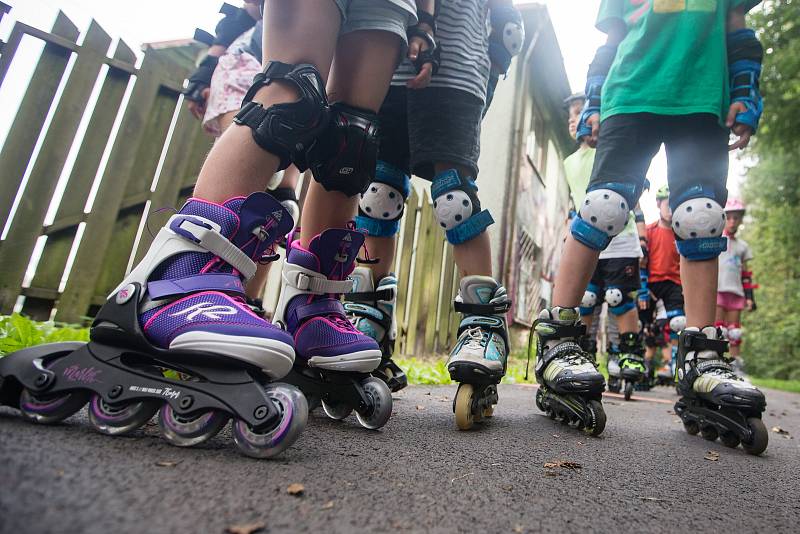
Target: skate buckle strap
[206, 236]
[161, 289]
[318, 285]
[319, 308]
[387, 294]
[700, 343]
[703, 366]
[493, 308]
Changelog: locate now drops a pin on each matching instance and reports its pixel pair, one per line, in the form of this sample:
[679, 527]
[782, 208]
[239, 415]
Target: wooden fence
[141, 152]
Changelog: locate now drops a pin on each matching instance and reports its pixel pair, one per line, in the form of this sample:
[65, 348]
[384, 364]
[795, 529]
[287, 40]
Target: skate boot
[478, 360]
[589, 345]
[631, 362]
[334, 359]
[288, 199]
[614, 372]
[714, 401]
[570, 387]
[181, 312]
[371, 311]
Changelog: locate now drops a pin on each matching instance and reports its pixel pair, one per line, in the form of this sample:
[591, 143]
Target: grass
[18, 332]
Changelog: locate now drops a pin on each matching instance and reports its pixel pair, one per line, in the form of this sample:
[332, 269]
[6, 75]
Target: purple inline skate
[176, 337]
[334, 359]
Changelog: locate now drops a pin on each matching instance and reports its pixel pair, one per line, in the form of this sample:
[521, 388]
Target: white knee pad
[677, 323]
[452, 208]
[602, 215]
[698, 223]
[589, 299]
[734, 334]
[382, 201]
[614, 296]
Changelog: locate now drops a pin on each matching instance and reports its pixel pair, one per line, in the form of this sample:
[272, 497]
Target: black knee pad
[289, 129]
[344, 156]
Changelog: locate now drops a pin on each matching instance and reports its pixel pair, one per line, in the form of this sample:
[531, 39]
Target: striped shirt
[463, 36]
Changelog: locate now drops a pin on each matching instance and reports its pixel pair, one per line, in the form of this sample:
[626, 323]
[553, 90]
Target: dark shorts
[670, 292]
[696, 145]
[622, 273]
[420, 127]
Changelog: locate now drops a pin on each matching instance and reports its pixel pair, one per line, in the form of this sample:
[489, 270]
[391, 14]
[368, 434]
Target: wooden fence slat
[25, 129]
[405, 250]
[100, 223]
[432, 289]
[422, 262]
[28, 220]
[445, 301]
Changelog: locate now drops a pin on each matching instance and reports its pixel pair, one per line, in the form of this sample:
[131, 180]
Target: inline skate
[371, 311]
[714, 401]
[631, 362]
[334, 359]
[176, 338]
[612, 366]
[478, 360]
[570, 387]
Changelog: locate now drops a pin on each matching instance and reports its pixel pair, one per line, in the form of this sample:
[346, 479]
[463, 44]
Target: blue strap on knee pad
[473, 225]
[588, 234]
[388, 174]
[626, 306]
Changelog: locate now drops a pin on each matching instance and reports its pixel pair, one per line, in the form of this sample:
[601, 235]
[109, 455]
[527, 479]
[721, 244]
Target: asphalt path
[417, 474]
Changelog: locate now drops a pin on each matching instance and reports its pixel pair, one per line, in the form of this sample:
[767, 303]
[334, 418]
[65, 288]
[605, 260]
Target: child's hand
[423, 77]
[748, 304]
[198, 109]
[742, 131]
[593, 121]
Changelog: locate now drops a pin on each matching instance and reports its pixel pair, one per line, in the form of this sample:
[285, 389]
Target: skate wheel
[53, 409]
[463, 406]
[381, 404]
[729, 439]
[185, 431]
[758, 443]
[709, 433]
[336, 410]
[597, 417]
[550, 413]
[628, 390]
[488, 411]
[539, 398]
[293, 410]
[120, 419]
[691, 427]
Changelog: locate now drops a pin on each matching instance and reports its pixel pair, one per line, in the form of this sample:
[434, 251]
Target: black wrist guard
[234, 24]
[201, 79]
[432, 55]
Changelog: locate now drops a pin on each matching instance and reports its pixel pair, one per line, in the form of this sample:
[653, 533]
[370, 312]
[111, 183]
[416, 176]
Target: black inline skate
[612, 366]
[631, 363]
[176, 337]
[478, 359]
[570, 387]
[371, 310]
[334, 359]
[714, 401]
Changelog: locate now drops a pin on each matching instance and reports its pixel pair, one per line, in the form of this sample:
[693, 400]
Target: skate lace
[476, 338]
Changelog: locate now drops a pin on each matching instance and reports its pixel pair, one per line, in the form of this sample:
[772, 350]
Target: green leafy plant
[18, 332]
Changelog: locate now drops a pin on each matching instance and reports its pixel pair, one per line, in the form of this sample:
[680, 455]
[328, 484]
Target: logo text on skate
[206, 310]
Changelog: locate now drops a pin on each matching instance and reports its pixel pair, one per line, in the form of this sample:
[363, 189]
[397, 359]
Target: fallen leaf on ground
[712, 456]
[461, 476]
[562, 463]
[328, 505]
[295, 489]
[247, 528]
[420, 407]
[165, 463]
[518, 528]
[779, 430]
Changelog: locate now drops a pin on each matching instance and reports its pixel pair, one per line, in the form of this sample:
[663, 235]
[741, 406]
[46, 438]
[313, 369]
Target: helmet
[574, 97]
[663, 192]
[734, 204]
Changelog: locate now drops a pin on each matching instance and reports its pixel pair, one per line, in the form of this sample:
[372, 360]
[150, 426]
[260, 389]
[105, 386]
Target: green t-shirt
[673, 60]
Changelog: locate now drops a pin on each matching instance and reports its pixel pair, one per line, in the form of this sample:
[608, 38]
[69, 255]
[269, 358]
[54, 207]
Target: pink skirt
[232, 78]
[730, 301]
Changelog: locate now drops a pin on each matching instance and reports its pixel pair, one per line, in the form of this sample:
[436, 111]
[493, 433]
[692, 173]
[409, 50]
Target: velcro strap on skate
[206, 236]
[700, 343]
[161, 289]
[387, 294]
[549, 330]
[319, 308]
[318, 285]
[368, 312]
[703, 366]
[495, 308]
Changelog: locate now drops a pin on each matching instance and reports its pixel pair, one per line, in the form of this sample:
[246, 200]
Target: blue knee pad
[589, 300]
[698, 221]
[618, 301]
[381, 206]
[457, 208]
[604, 213]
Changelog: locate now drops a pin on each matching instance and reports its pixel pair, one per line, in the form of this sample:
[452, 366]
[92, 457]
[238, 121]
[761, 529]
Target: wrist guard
[201, 79]
[235, 22]
[432, 55]
[595, 78]
[748, 285]
[745, 55]
[506, 38]
[643, 293]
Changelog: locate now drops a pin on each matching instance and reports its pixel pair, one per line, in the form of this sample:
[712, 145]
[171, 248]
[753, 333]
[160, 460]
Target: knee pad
[618, 301]
[344, 156]
[287, 130]
[457, 208]
[735, 333]
[382, 204]
[677, 322]
[589, 300]
[698, 223]
[603, 214]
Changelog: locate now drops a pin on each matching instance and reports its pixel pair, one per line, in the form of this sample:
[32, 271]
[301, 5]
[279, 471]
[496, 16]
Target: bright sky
[159, 20]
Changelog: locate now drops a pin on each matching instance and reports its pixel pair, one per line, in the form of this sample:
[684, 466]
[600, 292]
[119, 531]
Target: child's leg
[733, 320]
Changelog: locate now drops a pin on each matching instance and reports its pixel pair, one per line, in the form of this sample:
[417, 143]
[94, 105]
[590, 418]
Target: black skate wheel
[628, 390]
[691, 427]
[729, 439]
[336, 410]
[760, 438]
[120, 419]
[709, 433]
[539, 398]
[381, 404]
[185, 431]
[51, 409]
[462, 406]
[597, 418]
[293, 410]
